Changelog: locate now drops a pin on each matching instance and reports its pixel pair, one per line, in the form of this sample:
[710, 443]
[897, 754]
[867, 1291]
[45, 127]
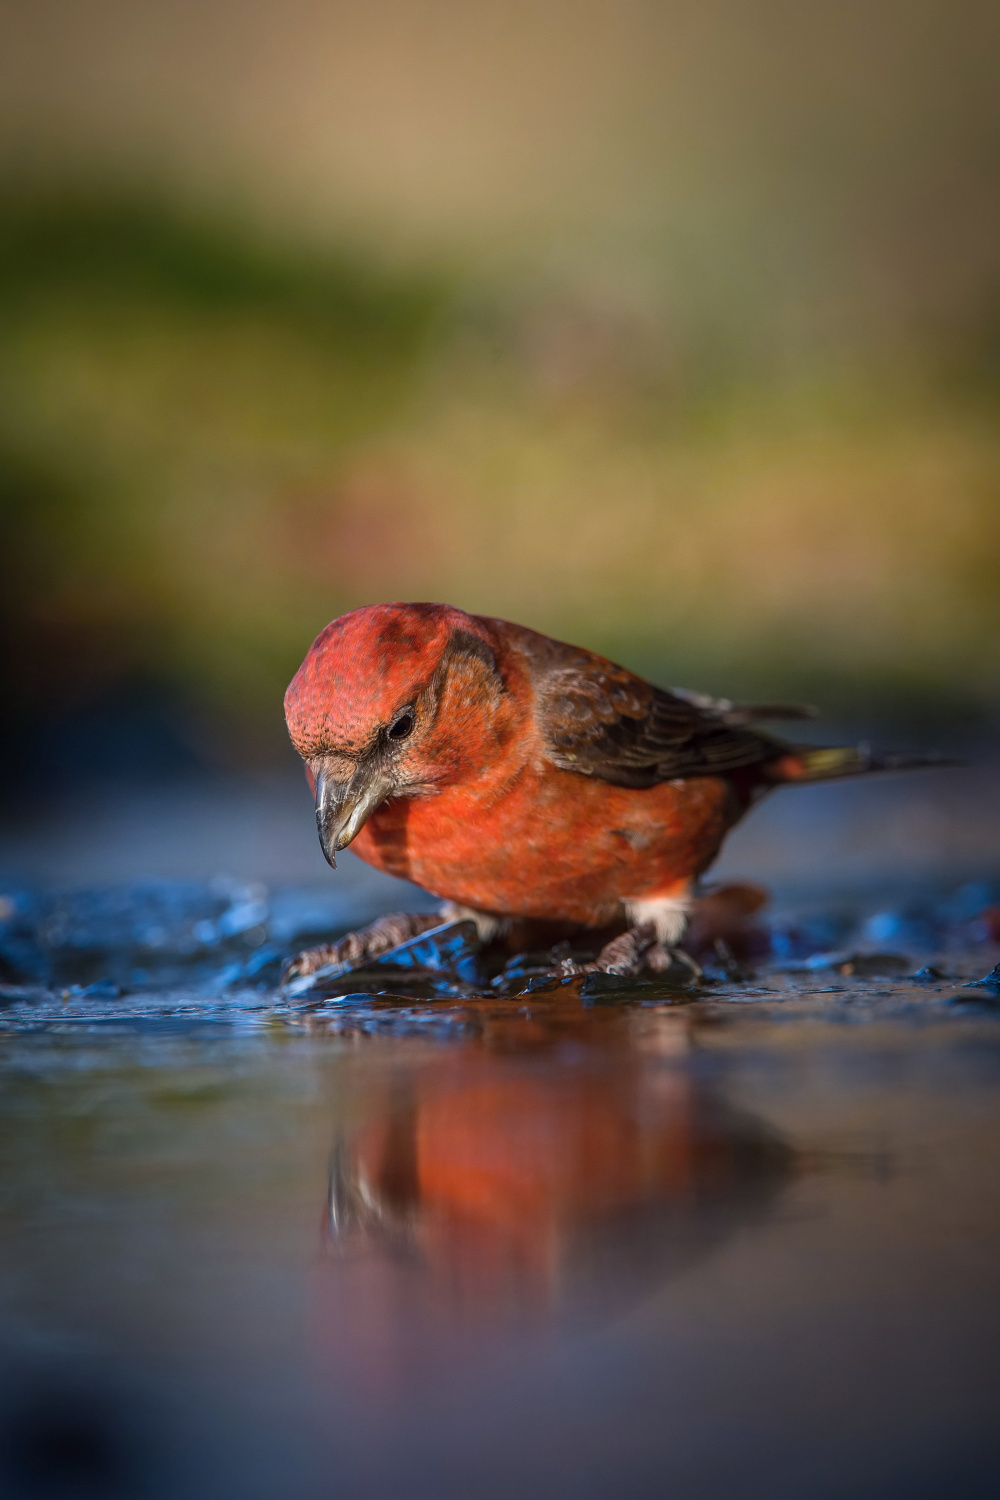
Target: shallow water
[599, 1239]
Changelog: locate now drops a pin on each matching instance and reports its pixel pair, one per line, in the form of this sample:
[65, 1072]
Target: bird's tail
[830, 762]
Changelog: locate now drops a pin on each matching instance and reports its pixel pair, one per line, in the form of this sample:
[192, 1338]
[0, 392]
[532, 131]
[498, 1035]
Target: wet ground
[482, 1233]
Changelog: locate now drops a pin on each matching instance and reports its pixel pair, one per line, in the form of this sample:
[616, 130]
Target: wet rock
[452, 947]
[451, 950]
[606, 989]
[863, 965]
[990, 983]
[535, 969]
[104, 989]
[212, 938]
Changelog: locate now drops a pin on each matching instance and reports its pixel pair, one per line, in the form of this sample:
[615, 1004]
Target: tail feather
[736, 714]
[752, 713]
[828, 762]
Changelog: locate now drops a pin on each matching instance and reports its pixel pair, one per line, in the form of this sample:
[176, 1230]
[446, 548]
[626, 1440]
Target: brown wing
[600, 720]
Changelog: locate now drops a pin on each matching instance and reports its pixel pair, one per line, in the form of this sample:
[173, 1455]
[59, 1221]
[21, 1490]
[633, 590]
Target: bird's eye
[401, 727]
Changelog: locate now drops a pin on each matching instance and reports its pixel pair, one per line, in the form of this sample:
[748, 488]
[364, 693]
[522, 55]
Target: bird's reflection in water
[552, 1171]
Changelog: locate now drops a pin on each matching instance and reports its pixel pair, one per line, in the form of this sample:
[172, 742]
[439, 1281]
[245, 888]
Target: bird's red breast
[512, 773]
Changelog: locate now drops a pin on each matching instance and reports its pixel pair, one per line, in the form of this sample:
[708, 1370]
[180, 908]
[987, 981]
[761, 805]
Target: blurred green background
[669, 328]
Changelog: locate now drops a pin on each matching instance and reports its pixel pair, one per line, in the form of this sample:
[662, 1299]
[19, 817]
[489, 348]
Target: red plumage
[515, 775]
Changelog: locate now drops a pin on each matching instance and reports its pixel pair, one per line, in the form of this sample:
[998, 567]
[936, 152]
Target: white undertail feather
[668, 914]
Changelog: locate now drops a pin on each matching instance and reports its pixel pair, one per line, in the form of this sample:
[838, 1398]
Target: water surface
[621, 1244]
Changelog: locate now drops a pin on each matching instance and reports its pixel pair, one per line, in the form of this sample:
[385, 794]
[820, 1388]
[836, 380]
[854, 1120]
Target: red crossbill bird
[525, 781]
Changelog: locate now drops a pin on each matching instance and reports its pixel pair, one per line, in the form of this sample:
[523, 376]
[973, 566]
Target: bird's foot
[356, 948]
[637, 951]
[664, 956]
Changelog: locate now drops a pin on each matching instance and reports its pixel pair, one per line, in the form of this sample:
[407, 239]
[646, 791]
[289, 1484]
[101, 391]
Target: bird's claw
[357, 948]
[664, 956]
[635, 952]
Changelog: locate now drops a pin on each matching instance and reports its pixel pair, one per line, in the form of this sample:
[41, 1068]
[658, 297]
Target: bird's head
[394, 700]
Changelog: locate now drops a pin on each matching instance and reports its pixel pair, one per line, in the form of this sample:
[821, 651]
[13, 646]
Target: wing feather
[600, 720]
